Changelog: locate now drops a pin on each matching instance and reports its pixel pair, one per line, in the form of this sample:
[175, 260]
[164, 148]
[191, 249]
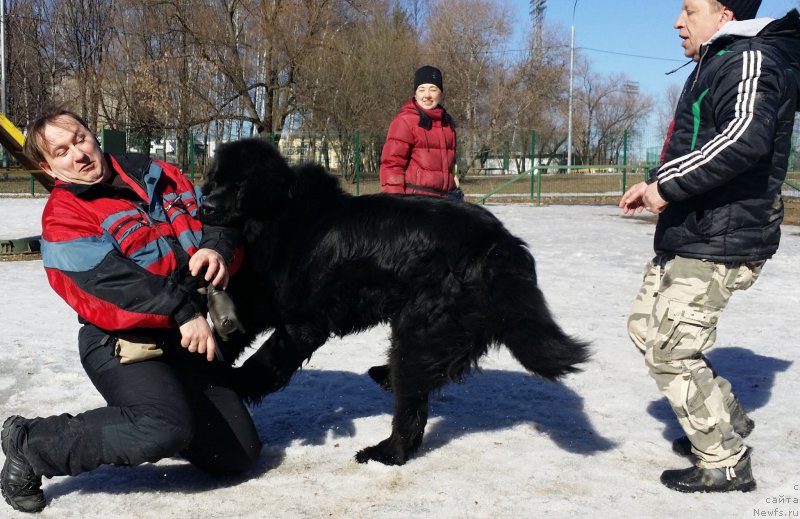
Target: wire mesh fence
[19, 182]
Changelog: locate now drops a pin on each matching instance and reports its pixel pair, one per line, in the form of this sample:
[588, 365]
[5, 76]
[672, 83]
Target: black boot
[727, 479]
[741, 423]
[20, 486]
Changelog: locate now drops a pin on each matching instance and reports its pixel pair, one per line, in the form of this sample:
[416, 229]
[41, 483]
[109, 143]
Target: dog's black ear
[268, 181]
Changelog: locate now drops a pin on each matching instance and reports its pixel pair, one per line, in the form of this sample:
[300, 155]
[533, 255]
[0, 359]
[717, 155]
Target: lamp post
[3, 102]
[571, 66]
[3, 56]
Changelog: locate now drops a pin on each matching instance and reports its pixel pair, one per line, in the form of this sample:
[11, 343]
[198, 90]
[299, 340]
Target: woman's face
[428, 96]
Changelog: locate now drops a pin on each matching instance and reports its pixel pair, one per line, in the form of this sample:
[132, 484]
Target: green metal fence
[490, 168]
[17, 182]
[563, 183]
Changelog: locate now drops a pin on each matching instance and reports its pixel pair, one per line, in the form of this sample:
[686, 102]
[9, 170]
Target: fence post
[32, 186]
[624, 160]
[506, 153]
[358, 162]
[533, 161]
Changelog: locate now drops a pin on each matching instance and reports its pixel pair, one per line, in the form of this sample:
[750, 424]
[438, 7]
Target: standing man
[122, 245]
[718, 196]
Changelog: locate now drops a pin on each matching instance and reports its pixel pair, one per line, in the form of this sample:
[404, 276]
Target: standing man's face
[71, 152]
[698, 22]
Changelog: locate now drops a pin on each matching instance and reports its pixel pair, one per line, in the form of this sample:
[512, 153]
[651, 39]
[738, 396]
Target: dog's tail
[523, 320]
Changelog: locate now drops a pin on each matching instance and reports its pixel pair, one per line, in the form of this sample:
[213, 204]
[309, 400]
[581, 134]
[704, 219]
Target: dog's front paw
[253, 384]
[382, 453]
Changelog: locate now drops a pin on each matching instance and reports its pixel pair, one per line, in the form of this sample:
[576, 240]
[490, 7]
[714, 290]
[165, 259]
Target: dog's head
[248, 179]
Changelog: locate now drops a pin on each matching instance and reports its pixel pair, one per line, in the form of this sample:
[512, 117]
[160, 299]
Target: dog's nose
[208, 206]
[207, 211]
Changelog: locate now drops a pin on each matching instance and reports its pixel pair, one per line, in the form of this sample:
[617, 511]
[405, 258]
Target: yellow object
[12, 140]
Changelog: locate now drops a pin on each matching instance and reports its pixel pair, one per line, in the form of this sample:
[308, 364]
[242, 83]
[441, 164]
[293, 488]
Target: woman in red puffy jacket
[420, 152]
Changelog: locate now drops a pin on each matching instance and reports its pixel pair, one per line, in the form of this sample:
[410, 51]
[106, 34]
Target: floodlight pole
[571, 67]
[3, 102]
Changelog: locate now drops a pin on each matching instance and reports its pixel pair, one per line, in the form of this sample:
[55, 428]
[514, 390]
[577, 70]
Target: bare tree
[258, 47]
[609, 105]
[228, 68]
[29, 76]
[666, 107]
[359, 79]
[537, 98]
[462, 38]
[85, 28]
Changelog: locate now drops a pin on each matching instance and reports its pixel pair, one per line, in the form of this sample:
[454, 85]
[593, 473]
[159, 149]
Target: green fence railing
[583, 181]
[560, 184]
[20, 182]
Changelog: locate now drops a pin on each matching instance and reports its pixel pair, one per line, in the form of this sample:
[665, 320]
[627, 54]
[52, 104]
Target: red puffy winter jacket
[420, 152]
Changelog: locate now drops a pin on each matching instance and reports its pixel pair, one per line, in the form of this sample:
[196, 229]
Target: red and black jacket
[118, 252]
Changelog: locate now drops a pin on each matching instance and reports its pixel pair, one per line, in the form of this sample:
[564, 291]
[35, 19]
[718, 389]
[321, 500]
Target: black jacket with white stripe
[725, 161]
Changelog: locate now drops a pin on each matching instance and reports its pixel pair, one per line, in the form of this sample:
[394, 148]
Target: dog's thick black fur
[447, 276]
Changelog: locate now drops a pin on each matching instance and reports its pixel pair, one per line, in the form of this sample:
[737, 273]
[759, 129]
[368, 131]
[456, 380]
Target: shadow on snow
[318, 405]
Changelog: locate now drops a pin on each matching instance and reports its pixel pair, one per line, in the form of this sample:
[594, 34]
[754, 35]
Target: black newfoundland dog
[449, 279]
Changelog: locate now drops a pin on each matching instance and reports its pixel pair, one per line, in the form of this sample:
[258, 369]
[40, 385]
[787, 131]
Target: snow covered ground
[502, 444]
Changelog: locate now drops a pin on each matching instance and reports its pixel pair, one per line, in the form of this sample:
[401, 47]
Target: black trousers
[174, 404]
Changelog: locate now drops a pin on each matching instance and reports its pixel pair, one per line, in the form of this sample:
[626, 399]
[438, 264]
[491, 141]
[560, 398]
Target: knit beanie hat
[428, 75]
[742, 9]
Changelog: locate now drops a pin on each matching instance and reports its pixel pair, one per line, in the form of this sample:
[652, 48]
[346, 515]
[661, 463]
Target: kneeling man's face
[72, 153]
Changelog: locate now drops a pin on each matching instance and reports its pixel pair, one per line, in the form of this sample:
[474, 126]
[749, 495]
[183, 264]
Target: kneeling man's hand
[196, 336]
[214, 265]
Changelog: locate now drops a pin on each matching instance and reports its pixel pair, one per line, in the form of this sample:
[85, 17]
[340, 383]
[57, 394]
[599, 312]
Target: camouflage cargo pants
[673, 322]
